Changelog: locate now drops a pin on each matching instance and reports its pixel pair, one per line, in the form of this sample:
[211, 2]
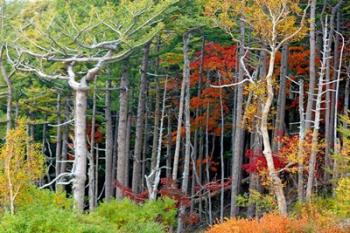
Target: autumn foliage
[274, 223]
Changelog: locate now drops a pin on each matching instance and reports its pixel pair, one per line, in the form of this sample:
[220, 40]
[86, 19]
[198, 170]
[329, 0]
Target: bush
[153, 216]
[274, 223]
[342, 198]
[47, 212]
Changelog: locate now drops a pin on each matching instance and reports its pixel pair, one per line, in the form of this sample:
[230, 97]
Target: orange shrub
[274, 223]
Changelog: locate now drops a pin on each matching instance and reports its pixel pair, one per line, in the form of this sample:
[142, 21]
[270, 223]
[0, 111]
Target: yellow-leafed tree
[21, 163]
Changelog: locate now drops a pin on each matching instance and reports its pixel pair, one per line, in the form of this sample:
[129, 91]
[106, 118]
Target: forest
[164, 116]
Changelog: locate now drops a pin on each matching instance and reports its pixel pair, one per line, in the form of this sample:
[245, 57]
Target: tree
[274, 22]
[21, 164]
[83, 50]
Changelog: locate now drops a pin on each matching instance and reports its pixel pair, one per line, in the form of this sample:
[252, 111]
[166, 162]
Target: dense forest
[174, 116]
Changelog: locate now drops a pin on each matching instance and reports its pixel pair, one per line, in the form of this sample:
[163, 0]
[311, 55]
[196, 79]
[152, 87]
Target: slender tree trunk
[314, 146]
[276, 181]
[178, 132]
[80, 149]
[58, 139]
[8, 82]
[156, 114]
[347, 92]
[153, 179]
[334, 98]
[328, 118]
[237, 136]
[97, 174]
[210, 216]
[312, 66]
[109, 144]
[65, 133]
[168, 148]
[222, 154]
[336, 141]
[115, 151]
[281, 100]
[155, 126]
[91, 170]
[136, 175]
[128, 132]
[186, 170]
[122, 125]
[144, 151]
[301, 143]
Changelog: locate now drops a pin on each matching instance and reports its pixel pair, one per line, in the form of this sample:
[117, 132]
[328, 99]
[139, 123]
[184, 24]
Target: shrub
[274, 223]
[152, 216]
[47, 212]
[342, 198]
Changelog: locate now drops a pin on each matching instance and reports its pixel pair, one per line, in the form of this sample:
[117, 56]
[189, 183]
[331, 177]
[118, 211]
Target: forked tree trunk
[153, 179]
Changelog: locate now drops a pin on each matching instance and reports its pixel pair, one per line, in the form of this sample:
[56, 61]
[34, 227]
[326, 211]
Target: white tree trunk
[80, 149]
[314, 146]
[276, 181]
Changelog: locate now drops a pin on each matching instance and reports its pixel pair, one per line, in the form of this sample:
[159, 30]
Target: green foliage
[47, 212]
[129, 216]
[342, 155]
[342, 198]
[43, 197]
[36, 218]
[262, 202]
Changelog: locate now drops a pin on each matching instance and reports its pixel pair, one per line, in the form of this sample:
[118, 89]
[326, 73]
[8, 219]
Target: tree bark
[276, 181]
[58, 139]
[186, 170]
[156, 115]
[128, 133]
[136, 175]
[80, 149]
[314, 146]
[301, 143]
[91, 170]
[312, 66]
[168, 148]
[222, 155]
[8, 81]
[122, 125]
[237, 130]
[109, 144]
[178, 132]
[281, 100]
